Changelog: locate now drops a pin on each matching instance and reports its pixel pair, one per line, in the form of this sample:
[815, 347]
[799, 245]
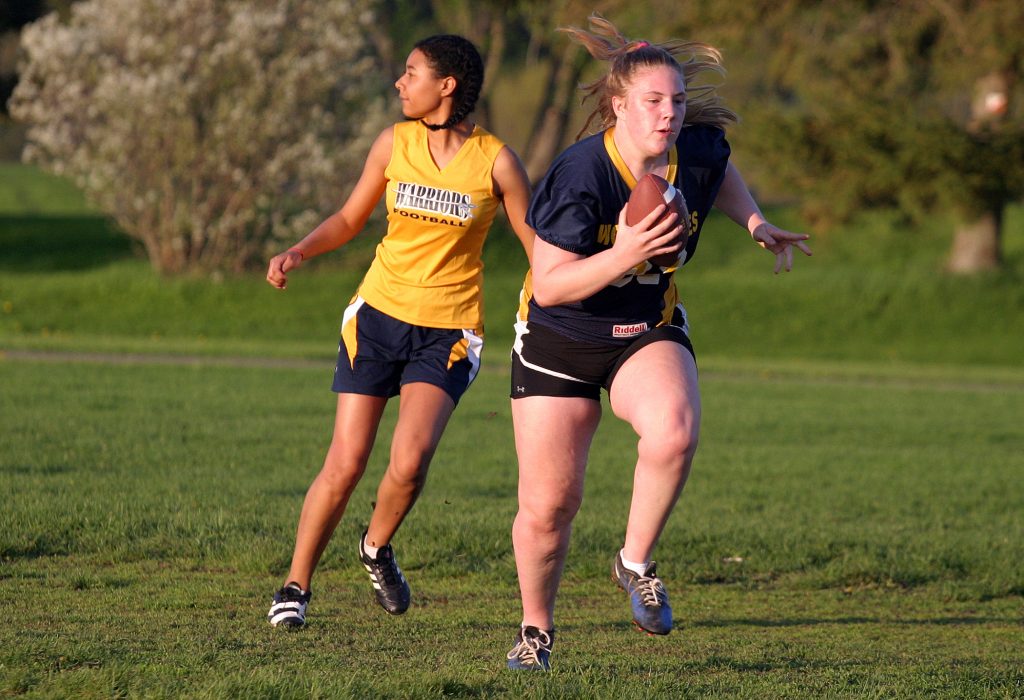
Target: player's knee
[409, 472]
[341, 472]
[676, 446]
[544, 515]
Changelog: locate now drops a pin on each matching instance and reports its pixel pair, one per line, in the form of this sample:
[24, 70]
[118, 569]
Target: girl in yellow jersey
[415, 326]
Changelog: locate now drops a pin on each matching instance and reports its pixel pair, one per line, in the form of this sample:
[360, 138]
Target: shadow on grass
[60, 243]
[40, 547]
[35, 470]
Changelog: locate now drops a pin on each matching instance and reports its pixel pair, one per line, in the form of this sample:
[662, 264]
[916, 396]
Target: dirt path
[1013, 385]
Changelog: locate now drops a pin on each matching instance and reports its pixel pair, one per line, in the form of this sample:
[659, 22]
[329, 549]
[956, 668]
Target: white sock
[637, 567]
[370, 551]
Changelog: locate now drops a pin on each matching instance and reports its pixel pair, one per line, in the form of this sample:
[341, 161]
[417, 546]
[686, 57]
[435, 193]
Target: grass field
[854, 525]
[150, 511]
[874, 293]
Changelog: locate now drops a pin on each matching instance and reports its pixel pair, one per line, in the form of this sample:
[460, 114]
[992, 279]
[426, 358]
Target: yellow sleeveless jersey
[427, 270]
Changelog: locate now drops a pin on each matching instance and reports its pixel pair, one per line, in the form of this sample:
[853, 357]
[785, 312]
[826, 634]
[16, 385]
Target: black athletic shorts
[378, 354]
[547, 363]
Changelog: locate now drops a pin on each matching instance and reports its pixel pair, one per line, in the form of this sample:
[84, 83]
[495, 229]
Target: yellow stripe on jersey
[524, 296]
[428, 270]
[671, 299]
[624, 171]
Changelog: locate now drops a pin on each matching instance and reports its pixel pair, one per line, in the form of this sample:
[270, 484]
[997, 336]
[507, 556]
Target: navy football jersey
[576, 207]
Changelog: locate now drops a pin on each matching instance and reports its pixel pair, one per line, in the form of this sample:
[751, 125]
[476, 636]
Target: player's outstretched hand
[781, 242]
[277, 273]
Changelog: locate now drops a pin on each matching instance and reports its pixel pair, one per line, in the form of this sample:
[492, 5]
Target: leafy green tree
[210, 130]
[914, 105]
[516, 38]
[562, 65]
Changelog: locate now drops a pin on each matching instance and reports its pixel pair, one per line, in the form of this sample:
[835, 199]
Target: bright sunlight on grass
[853, 526]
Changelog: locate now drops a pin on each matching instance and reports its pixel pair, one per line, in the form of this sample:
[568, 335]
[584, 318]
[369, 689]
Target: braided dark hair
[455, 56]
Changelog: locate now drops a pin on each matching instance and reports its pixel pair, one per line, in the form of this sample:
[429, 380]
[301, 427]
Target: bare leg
[422, 416]
[355, 427]
[656, 392]
[553, 437]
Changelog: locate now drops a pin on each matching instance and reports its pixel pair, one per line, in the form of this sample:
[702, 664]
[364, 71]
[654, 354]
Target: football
[650, 191]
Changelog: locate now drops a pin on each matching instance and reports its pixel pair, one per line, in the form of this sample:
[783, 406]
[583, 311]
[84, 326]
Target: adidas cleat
[289, 608]
[389, 584]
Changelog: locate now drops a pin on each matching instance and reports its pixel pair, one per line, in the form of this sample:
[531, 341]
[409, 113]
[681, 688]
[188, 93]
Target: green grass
[853, 526]
[150, 510]
[27, 191]
[873, 292]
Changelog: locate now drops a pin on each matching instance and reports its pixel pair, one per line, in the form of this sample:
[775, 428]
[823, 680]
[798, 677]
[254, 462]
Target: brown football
[650, 191]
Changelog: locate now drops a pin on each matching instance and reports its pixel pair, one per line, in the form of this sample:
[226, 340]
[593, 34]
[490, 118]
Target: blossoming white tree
[208, 129]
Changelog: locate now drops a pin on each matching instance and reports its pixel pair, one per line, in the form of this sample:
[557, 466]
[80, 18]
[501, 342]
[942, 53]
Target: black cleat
[389, 584]
[648, 598]
[289, 608]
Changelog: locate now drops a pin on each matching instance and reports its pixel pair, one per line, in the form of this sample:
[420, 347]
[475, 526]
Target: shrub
[210, 130]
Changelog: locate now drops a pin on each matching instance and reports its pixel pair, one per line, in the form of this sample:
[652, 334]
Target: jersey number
[642, 273]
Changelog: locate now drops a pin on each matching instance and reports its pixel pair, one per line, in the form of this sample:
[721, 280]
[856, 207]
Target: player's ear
[448, 85]
[618, 105]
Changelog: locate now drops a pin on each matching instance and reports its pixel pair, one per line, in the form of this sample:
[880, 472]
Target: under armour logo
[520, 389]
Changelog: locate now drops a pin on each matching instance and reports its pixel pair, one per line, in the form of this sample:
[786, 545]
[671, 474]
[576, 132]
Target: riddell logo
[628, 330]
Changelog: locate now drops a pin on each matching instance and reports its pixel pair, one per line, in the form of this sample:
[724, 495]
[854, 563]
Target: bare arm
[736, 202]
[342, 226]
[513, 187]
[562, 277]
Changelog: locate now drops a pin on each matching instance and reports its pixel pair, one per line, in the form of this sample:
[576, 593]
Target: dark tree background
[847, 105]
[913, 105]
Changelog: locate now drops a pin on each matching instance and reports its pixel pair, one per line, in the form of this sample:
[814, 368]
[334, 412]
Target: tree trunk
[552, 120]
[977, 244]
[495, 54]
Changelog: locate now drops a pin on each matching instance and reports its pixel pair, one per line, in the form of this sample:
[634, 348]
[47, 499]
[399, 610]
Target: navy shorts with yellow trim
[379, 354]
[547, 363]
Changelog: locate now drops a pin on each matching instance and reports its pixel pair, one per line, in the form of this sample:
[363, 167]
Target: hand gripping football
[650, 191]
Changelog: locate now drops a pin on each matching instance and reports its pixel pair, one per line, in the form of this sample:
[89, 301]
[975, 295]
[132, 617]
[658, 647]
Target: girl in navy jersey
[414, 329]
[595, 313]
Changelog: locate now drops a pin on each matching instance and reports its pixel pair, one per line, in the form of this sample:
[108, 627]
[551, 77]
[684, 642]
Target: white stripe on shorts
[517, 348]
[473, 350]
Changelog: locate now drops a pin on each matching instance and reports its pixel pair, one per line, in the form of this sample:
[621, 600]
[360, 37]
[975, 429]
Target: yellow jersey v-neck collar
[620, 164]
[454, 158]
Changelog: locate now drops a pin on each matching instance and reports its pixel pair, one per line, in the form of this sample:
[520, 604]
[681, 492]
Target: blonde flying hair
[627, 56]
